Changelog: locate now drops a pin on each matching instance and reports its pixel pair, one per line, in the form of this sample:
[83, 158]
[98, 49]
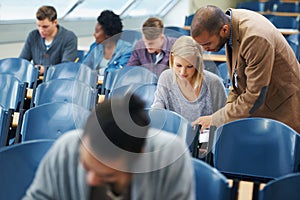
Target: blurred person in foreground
[116, 156]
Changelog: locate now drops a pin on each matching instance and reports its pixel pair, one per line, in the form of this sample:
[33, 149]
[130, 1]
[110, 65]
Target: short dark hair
[121, 123]
[153, 27]
[110, 22]
[46, 12]
[209, 18]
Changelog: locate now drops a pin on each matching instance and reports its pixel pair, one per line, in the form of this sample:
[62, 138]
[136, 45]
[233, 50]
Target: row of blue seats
[294, 144]
[256, 150]
[63, 115]
[19, 75]
[245, 159]
[74, 83]
[65, 82]
[254, 139]
[57, 86]
[272, 6]
[269, 10]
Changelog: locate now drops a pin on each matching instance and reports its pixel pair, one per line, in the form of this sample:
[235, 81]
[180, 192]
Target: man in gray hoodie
[116, 156]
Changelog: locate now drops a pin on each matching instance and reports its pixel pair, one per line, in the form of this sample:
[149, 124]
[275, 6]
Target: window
[71, 9]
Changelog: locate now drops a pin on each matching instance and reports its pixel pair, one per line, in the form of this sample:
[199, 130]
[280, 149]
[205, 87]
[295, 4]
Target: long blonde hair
[187, 48]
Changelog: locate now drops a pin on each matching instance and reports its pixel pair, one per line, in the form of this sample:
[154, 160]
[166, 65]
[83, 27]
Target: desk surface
[100, 80]
[246, 189]
[214, 57]
[285, 14]
[290, 0]
[286, 31]
[187, 27]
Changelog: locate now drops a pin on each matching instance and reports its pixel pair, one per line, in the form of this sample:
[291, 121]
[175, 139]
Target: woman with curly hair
[108, 51]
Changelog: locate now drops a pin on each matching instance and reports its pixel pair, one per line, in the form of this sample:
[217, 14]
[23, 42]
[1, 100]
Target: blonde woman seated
[187, 88]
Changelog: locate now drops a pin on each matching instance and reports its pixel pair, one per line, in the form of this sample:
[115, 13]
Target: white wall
[12, 36]
[177, 15]
[184, 8]
[195, 4]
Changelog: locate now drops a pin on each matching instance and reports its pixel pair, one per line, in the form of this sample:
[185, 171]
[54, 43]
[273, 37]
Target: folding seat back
[258, 149]
[144, 91]
[12, 92]
[20, 68]
[209, 182]
[131, 36]
[285, 187]
[5, 120]
[66, 90]
[50, 121]
[131, 75]
[72, 70]
[19, 163]
[175, 31]
[172, 122]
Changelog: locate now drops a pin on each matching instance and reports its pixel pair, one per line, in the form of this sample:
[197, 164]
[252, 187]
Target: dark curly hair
[110, 22]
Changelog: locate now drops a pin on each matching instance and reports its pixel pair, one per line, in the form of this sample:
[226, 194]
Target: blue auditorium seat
[133, 74]
[292, 7]
[131, 36]
[49, 121]
[283, 188]
[172, 122]
[285, 22]
[71, 70]
[224, 74]
[144, 91]
[22, 69]
[260, 149]
[254, 5]
[19, 163]
[80, 55]
[175, 31]
[257, 150]
[293, 41]
[66, 90]
[12, 92]
[126, 76]
[5, 120]
[210, 184]
[188, 19]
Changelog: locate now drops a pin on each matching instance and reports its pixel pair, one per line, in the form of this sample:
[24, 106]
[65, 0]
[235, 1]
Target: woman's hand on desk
[205, 122]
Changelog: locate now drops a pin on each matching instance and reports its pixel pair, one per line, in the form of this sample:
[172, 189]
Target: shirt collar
[228, 12]
[165, 45]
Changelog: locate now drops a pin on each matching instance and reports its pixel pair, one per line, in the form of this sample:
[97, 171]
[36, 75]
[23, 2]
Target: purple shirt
[141, 57]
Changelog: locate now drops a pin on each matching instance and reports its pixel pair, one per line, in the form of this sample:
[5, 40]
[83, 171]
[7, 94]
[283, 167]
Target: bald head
[209, 18]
